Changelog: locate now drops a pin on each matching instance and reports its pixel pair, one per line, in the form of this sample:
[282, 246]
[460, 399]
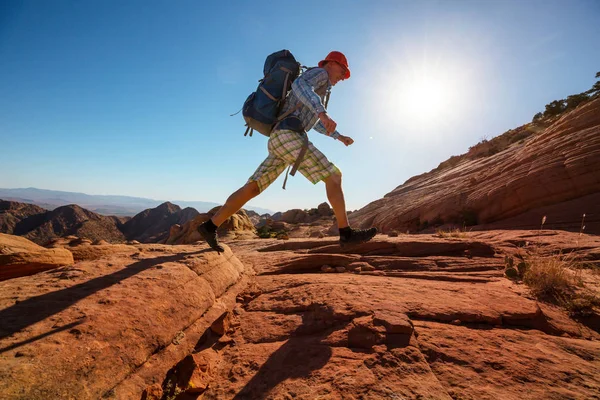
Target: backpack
[261, 109]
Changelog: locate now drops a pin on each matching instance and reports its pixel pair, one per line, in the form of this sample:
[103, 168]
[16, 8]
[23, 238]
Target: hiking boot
[211, 237]
[357, 236]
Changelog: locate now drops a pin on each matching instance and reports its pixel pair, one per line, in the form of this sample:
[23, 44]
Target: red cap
[339, 58]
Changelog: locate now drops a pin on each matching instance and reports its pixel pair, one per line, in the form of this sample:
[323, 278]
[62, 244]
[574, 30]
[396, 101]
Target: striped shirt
[311, 104]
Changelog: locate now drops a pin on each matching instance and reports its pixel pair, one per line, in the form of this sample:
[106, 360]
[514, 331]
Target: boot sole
[348, 244]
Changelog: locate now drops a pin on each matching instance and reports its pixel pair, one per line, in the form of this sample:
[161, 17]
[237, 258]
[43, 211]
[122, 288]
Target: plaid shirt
[303, 91]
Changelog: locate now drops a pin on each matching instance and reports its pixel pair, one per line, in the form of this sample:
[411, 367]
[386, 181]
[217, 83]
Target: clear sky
[133, 97]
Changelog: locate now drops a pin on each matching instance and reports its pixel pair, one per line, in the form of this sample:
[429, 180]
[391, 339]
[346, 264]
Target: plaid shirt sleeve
[321, 129]
[304, 87]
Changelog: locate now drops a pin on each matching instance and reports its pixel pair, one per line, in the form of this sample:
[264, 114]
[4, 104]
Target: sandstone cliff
[532, 177]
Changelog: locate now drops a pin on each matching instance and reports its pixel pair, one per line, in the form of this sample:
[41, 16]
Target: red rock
[393, 322]
[298, 333]
[221, 325]
[361, 266]
[21, 257]
[112, 324]
[551, 169]
[187, 234]
[294, 216]
[153, 392]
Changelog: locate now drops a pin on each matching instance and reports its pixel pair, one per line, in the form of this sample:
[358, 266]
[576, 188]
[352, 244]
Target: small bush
[266, 232]
[519, 136]
[455, 233]
[555, 279]
[551, 277]
[583, 304]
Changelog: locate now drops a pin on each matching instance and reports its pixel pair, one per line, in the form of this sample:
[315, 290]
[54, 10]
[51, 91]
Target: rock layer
[421, 317]
[21, 257]
[106, 328]
[413, 316]
[239, 224]
[557, 165]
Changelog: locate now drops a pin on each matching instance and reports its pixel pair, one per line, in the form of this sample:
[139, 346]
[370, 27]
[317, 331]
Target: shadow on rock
[35, 309]
[299, 357]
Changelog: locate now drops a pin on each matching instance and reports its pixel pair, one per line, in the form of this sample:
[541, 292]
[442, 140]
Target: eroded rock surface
[238, 225]
[109, 325]
[407, 317]
[412, 317]
[21, 257]
[525, 181]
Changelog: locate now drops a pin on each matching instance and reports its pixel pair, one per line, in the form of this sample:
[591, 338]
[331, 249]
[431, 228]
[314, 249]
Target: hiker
[304, 110]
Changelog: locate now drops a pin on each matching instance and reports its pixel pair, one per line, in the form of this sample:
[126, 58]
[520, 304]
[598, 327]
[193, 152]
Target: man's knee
[335, 178]
[253, 188]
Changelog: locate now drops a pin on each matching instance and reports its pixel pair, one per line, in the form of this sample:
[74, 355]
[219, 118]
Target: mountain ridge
[118, 205]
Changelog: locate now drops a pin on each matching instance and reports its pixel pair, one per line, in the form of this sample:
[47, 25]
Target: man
[285, 145]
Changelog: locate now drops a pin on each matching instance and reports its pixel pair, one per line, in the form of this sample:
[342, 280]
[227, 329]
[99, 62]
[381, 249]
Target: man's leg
[335, 194]
[316, 167]
[236, 201]
[265, 174]
[208, 229]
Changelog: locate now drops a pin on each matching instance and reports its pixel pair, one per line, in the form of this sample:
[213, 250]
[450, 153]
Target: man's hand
[346, 140]
[328, 123]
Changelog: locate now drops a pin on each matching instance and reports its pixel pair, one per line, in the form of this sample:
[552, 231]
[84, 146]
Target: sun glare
[423, 97]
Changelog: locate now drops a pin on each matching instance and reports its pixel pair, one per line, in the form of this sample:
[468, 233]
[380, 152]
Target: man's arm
[319, 127]
[304, 88]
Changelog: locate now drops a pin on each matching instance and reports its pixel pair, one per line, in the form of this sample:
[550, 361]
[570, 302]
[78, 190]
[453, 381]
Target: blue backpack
[261, 109]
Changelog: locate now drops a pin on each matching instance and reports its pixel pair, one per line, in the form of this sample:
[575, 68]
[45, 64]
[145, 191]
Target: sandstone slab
[21, 257]
[107, 327]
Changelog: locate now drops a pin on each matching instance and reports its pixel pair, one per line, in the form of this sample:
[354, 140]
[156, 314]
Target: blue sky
[134, 97]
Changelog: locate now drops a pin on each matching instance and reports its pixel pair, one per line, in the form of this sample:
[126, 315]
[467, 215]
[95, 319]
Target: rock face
[108, 326]
[237, 225]
[153, 225]
[68, 220]
[254, 216]
[428, 318]
[12, 212]
[557, 165]
[414, 316]
[324, 210]
[294, 216]
[297, 216]
[21, 257]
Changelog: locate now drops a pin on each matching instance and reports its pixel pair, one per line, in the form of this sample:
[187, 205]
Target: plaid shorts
[284, 147]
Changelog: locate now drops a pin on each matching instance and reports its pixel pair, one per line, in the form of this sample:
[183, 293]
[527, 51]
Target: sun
[423, 97]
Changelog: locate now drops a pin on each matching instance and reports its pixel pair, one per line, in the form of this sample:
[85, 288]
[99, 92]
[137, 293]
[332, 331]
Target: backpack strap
[287, 113]
[299, 159]
[269, 95]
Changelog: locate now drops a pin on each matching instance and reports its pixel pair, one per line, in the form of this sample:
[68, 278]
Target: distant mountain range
[43, 226]
[101, 204]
